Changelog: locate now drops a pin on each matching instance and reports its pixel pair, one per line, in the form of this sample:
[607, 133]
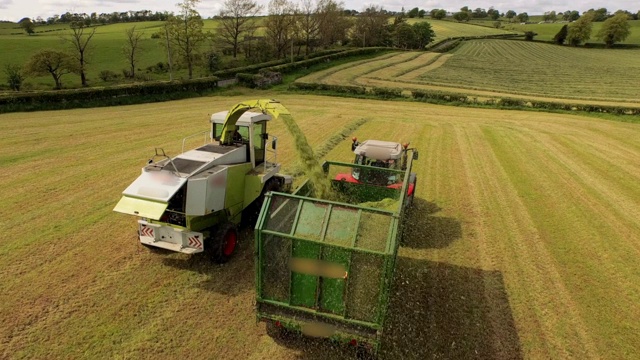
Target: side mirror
[415, 155]
[273, 144]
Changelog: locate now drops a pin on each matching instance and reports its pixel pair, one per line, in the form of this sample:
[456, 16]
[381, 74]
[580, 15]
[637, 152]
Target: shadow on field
[445, 311]
[232, 278]
[437, 311]
[424, 230]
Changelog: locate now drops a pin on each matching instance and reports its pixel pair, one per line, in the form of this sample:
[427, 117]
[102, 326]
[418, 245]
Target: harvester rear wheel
[224, 243]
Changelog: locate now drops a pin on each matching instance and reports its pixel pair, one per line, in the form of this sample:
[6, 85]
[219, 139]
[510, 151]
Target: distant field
[548, 31]
[522, 243]
[445, 29]
[105, 51]
[503, 68]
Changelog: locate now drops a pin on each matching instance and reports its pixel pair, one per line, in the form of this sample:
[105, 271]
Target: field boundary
[461, 99]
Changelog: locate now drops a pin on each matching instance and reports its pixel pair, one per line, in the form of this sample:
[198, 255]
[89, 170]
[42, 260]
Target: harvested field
[502, 68]
[523, 240]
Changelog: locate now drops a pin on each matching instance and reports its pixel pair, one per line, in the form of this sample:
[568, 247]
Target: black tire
[223, 243]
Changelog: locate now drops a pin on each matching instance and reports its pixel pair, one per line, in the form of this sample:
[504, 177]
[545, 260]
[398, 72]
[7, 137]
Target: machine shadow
[232, 278]
[439, 310]
[425, 230]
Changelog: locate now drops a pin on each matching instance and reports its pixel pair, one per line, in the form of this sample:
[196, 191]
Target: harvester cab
[194, 201]
[374, 154]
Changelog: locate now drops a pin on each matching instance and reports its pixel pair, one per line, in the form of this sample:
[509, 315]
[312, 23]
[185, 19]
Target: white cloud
[4, 4]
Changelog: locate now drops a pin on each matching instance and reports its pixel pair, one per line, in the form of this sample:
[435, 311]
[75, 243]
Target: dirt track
[523, 242]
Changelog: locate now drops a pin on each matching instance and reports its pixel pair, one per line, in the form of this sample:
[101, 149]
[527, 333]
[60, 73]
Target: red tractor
[380, 154]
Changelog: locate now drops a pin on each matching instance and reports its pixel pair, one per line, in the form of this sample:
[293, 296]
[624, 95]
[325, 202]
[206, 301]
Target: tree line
[288, 29]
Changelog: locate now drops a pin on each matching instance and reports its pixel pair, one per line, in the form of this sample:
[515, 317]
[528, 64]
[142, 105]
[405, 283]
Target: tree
[15, 76]
[424, 34]
[333, 25]
[132, 49]
[493, 13]
[308, 24]
[80, 42]
[422, 12]
[438, 14]
[54, 62]
[185, 34]
[549, 16]
[461, 16]
[371, 27]
[27, 25]
[279, 26]
[529, 35]
[413, 13]
[580, 30]
[523, 17]
[479, 13]
[510, 14]
[561, 36]
[404, 36]
[599, 15]
[614, 29]
[237, 18]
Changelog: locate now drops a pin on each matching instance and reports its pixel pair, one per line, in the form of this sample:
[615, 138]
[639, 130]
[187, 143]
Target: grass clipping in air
[308, 160]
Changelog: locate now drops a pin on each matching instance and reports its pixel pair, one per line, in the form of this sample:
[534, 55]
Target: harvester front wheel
[223, 243]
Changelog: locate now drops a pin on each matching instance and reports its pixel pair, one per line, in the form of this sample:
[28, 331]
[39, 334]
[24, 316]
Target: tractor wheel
[223, 243]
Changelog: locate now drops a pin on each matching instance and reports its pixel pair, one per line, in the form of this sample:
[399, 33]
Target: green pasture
[548, 31]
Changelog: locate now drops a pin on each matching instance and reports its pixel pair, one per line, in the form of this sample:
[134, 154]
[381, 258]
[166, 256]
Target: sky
[14, 10]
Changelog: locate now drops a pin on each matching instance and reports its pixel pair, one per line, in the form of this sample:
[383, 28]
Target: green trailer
[324, 268]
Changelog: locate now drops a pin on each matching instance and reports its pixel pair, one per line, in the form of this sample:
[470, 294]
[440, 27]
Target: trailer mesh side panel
[276, 252]
[363, 286]
[281, 215]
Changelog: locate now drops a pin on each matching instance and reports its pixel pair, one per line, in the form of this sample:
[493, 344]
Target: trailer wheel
[224, 243]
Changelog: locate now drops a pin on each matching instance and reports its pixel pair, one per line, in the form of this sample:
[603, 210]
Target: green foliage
[105, 96]
[438, 14]
[424, 34]
[461, 16]
[51, 62]
[510, 14]
[27, 25]
[614, 29]
[579, 31]
[523, 17]
[493, 14]
[561, 36]
[413, 13]
[108, 75]
[529, 35]
[15, 76]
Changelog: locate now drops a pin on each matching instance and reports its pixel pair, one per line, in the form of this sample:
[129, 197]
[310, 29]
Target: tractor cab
[372, 154]
[380, 154]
